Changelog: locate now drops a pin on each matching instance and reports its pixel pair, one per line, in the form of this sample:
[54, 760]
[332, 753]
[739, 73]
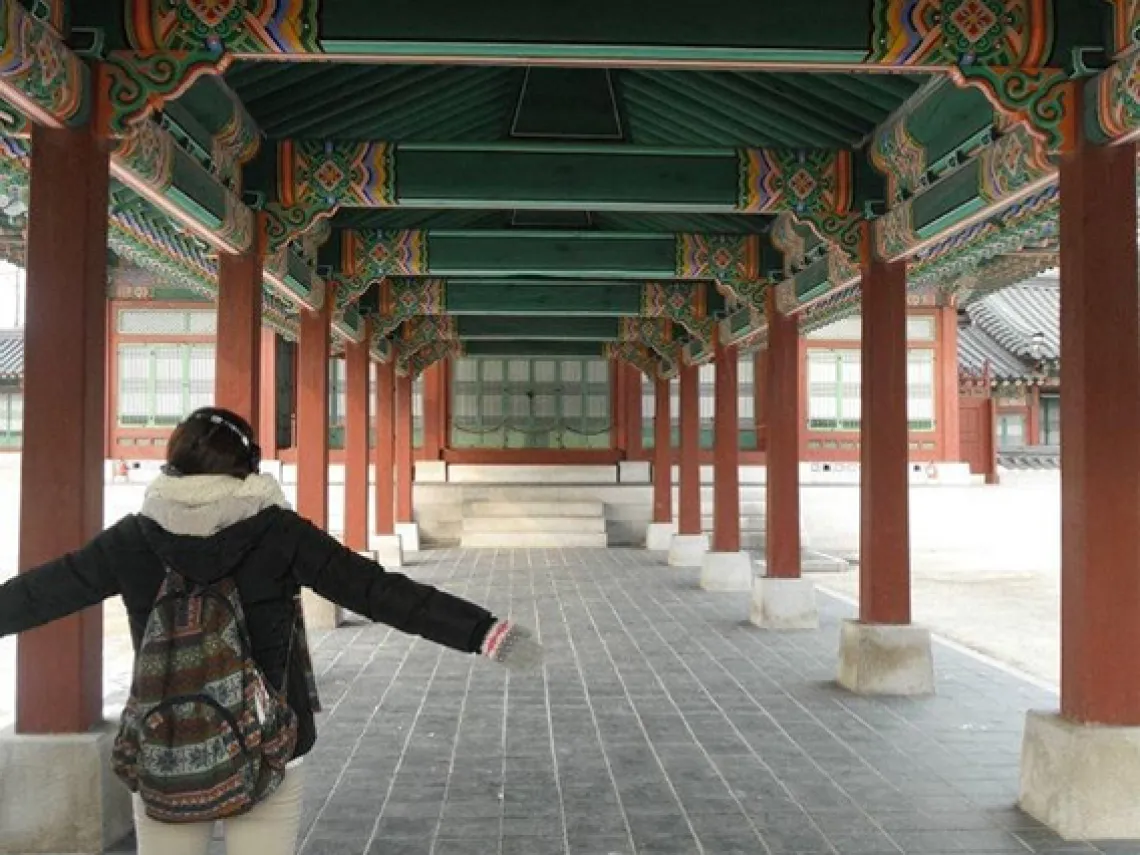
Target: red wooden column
[783, 599]
[404, 451]
[689, 545]
[725, 567]
[881, 653]
[434, 393]
[633, 421]
[238, 372]
[726, 452]
[356, 443]
[1079, 768]
[313, 414]
[1033, 416]
[782, 496]
[60, 666]
[267, 409]
[618, 408]
[662, 453]
[385, 505]
[1100, 457]
[949, 417]
[884, 537]
[760, 396]
[689, 481]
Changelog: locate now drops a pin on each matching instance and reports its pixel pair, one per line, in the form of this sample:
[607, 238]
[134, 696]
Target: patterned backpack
[204, 735]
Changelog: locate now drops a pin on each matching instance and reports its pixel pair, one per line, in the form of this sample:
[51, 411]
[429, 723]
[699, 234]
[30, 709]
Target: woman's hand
[512, 646]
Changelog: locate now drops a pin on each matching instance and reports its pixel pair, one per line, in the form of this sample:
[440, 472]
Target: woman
[211, 516]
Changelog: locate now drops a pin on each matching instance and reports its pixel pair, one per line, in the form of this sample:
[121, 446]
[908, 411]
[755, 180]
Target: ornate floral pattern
[894, 232]
[51, 80]
[949, 32]
[375, 253]
[900, 157]
[413, 364]
[1039, 100]
[1118, 99]
[138, 84]
[1012, 163]
[235, 144]
[802, 181]
[249, 27]
[149, 153]
[728, 258]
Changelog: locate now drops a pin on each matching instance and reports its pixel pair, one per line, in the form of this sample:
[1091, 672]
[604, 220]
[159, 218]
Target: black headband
[253, 450]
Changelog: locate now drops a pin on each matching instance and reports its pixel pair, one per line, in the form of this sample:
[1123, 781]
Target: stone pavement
[664, 724]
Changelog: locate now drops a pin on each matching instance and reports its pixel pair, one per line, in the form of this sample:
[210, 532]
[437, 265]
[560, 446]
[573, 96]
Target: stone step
[533, 540]
[531, 475]
[747, 523]
[524, 509]
[523, 525]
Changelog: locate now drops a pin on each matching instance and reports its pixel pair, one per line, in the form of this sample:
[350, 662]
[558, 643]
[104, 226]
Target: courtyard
[663, 723]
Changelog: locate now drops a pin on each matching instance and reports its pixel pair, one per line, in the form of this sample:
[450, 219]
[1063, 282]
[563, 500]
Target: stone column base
[727, 571]
[659, 536]
[784, 604]
[58, 794]
[320, 614]
[688, 550]
[881, 659]
[388, 549]
[409, 536]
[1081, 780]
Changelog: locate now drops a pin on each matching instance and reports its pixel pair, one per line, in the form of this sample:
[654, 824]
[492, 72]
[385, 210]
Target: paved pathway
[664, 724]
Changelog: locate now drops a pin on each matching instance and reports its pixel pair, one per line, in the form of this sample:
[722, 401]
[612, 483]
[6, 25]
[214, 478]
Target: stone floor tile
[661, 714]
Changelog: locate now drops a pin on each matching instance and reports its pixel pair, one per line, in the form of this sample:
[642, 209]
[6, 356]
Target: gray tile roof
[1001, 329]
[11, 354]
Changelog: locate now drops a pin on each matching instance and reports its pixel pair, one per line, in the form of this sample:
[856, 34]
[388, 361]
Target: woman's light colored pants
[269, 829]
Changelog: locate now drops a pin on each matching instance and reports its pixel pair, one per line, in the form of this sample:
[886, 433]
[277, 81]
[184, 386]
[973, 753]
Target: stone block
[634, 472]
[688, 550]
[58, 794]
[880, 659]
[409, 536]
[1081, 780]
[431, 472]
[727, 572]
[659, 536]
[784, 604]
[320, 614]
[388, 550]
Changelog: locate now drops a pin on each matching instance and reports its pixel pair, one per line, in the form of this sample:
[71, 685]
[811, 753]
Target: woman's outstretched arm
[60, 588]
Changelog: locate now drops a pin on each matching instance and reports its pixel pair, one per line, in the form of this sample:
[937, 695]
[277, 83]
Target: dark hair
[213, 441]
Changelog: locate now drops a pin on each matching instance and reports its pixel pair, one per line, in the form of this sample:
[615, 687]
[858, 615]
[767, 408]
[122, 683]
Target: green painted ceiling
[582, 106]
[425, 103]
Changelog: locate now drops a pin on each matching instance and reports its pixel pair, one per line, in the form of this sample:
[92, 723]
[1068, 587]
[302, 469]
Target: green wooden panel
[608, 178]
[552, 254]
[523, 348]
[774, 29]
[537, 329]
[507, 297]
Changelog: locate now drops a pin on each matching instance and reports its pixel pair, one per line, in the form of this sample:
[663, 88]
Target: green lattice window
[160, 384]
[11, 418]
[530, 403]
[834, 387]
[746, 406]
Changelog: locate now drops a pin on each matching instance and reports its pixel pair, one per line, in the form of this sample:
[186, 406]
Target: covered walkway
[664, 723]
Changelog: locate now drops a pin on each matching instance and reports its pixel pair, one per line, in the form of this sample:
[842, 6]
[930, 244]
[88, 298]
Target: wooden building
[586, 197]
[11, 389]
